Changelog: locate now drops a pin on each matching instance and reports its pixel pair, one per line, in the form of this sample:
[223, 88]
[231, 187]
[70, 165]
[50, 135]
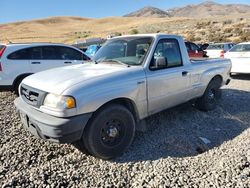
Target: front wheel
[109, 132]
[208, 100]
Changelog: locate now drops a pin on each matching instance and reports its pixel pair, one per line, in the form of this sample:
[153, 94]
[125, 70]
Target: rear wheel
[209, 99]
[110, 132]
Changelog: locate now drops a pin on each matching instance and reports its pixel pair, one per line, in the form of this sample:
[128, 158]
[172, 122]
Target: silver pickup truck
[99, 105]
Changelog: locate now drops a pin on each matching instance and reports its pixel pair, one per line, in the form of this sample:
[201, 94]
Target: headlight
[59, 102]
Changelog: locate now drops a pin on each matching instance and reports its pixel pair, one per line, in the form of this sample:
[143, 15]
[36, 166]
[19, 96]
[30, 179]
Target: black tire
[208, 101]
[80, 146]
[16, 85]
[110, 132]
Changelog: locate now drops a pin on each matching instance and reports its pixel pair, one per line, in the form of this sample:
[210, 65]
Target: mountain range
[202, 10]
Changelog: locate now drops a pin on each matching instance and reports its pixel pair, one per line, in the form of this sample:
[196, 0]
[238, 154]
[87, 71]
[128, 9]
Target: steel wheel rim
[112, 132]
[211, 96]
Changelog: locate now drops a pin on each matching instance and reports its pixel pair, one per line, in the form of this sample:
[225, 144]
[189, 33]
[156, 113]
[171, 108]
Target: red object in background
[1, 53]
[222, 53]
[194, 51]
[2, 50]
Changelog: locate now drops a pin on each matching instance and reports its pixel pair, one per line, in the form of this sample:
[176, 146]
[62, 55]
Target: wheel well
[128, 103]
[20, 77]
[217, 77]
[17, 81]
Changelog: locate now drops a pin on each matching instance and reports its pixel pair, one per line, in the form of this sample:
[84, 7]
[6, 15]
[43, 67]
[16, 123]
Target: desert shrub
[238, 31]
[236, 40]
[198, 38]
[190, 38]
[218, 37]
[201, 25]
[134, 31]
[227, 22]
[228, 30]
[202, 32]
[117, 34]
[245, 36]
[240, 19]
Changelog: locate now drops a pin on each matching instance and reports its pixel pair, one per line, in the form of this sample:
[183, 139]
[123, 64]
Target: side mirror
[161, 62]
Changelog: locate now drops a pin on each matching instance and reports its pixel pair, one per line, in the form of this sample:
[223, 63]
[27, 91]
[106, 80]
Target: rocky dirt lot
[183, 148]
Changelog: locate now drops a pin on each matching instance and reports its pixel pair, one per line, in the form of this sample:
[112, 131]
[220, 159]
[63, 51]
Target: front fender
[91, 99]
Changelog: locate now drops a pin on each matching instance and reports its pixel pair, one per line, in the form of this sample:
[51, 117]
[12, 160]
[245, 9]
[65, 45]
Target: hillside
[209, 9]
[202, 10]
[234, 28]
[148, 12]
[68, 29]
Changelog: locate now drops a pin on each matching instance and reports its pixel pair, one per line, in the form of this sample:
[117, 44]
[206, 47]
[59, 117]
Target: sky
[21, 10]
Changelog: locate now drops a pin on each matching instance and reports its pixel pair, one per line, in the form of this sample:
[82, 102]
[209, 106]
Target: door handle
[67, 62]
[35, 63]
[184, 73]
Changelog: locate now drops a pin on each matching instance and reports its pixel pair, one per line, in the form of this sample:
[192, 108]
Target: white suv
[18, 61]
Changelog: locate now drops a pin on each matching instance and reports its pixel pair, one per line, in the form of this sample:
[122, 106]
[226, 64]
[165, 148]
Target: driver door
[168, 84]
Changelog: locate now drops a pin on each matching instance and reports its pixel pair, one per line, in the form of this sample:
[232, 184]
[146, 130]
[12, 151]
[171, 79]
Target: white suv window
[20, 54]
[65, 53]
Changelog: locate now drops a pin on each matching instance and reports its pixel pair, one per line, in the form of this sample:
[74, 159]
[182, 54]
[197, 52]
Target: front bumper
[55, 129]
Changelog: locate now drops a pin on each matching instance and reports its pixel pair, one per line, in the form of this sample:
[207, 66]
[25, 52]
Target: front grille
[32, 96]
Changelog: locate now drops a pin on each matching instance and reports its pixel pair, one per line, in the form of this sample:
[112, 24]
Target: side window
[20, 54]
[49, 53]
[36, 53]
[167, 55]
[66, 53]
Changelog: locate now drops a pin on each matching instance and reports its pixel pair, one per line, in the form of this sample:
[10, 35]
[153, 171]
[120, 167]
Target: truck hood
[59, 79]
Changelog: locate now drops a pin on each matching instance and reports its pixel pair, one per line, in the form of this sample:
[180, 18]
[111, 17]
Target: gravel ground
[183, 148]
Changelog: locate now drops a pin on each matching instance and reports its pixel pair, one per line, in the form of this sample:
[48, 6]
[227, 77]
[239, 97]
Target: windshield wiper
[114, 61]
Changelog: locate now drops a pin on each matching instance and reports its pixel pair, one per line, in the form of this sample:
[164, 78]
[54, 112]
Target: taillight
[222, 53]
[2, 51]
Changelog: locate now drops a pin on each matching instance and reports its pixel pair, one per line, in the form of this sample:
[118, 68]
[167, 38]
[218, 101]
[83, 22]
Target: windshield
[130, 50]
[241, 48]
[215, 47]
